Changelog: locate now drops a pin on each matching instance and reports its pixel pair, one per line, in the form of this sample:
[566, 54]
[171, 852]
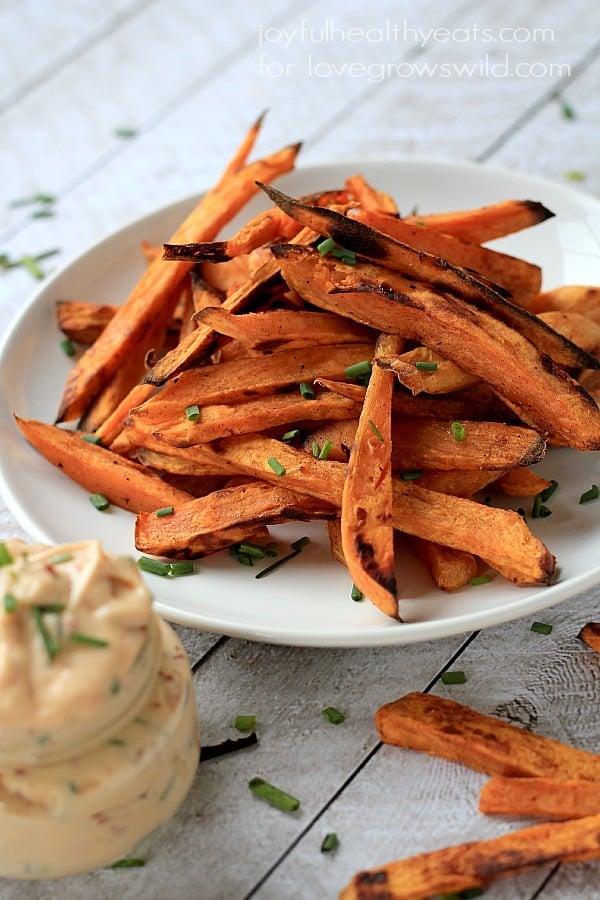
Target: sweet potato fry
[485, 223]
[83, 322]
[545, 798]
[590, 635]
[223, 518]
[334, 531]
[450, 569]
[521, 482]
[578, 298]
[478, 863]
[123, 482]
[443, 377]
[284, 328]
[453, 731]
[223, 420]
[367, 529]
[160, 280]
[577, 327]
[499, 537]
[458, 482]
[369, 197]
[542, 395]
[521, 278]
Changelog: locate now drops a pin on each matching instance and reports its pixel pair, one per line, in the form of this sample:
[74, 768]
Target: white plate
[307, 601]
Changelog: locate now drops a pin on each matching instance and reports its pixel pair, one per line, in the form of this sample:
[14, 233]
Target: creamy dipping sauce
[98, 725]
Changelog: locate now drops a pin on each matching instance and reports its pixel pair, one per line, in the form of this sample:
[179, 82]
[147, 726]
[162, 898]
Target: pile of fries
[531, 776]
[332, 360]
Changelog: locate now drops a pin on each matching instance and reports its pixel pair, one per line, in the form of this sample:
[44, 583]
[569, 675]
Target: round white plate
[307, 601]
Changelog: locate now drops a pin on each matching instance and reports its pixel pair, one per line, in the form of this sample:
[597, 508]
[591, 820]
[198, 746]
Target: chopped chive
[547, 492]
[541, 628]
[325, 450]
[356, 369]
[330, 842]
[164, 511]
[5, 555]
[33, 267]
[51, 607]
[10, 603]
[575, 175]
[272, 549]
[89, 640]
[458, 431]
[244, 723]
[356, 594]
[48, 639]
[99, 501]
[129, 862]
[273, 795]
[251, 549]
[315, 449]
[375, 430]
[300, 543]
[92, 438]
[479, 579]
[279, 562]
[333, 715]
[276, 466]
[538, 510]
[115, 686]
[306, 390]
[181, 567]
[59, 558]
[424, 366]
[43, 214]
[566, 110]
[154, 566]
[28, 201]
[68, 347]
[125, 132]
[411, 474]
[245, 559]
[117, 742]
[291, 435]
[325, 246]
[347, 256]
[192, 413]
[592, 494]
[467, 894]
[456, 677]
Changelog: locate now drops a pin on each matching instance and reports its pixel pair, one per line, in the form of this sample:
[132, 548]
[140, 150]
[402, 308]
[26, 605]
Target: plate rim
[405, 633]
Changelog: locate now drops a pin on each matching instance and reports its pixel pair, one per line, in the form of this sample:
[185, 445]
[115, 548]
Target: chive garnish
[411, 474]
[273, 795]
[479, 579]
[297, 546]
[276, 466]
[5, 555]
[244, 723]
[333, 715]
[567, 111]
[92, 438]
[254, 550]
[10, 603]
[547, 492]
[129, 862]
[325, 246]
[33, 267]
[456, 677]
[330, 842]
[115, 686]
[541, 628]
[89, 640]
[467, 894]
[357, 369]
[99, 501]
[315, 449]
[125, 132]
[154, 566]
[181, 567]
[375, 430]
[325, 450]
[28, 201]
[458, 431]
[306, 390]
[424, 366]
[356, 594]
[538, 510]
[68, 347]
[575, 175]
[592, 494]
[48, 639]
[245, 559]
[164, 511]
[192, 413]
[272, 549]
[300, 543]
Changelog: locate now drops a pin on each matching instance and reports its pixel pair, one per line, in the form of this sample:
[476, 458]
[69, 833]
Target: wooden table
[117, 108]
